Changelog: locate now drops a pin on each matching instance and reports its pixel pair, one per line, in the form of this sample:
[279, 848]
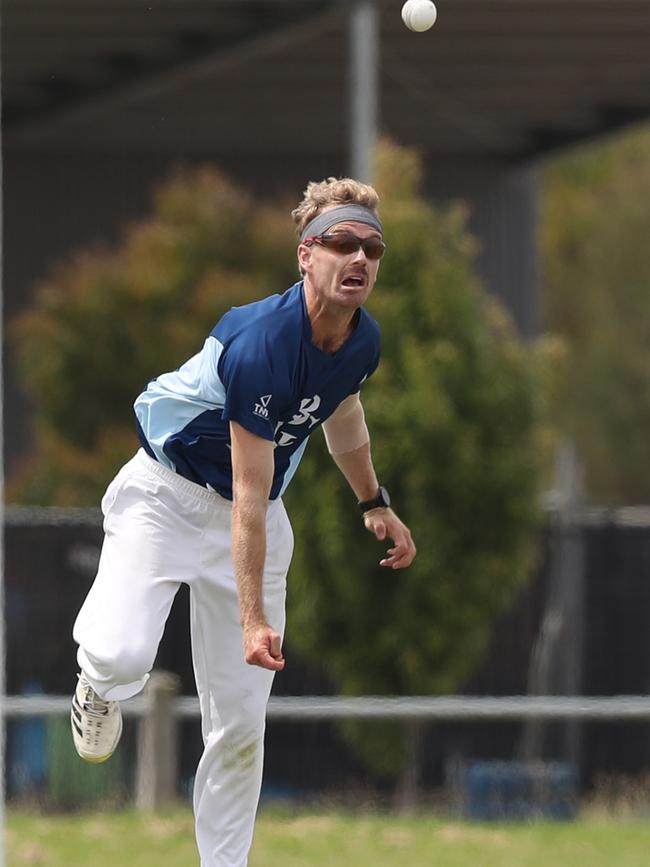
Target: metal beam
[444, 707]
[364, 87]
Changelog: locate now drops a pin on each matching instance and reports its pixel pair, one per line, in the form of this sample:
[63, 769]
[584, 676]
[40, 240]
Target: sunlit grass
[326, 839]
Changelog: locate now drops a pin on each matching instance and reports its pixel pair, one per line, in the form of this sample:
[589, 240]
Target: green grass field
[324, 839]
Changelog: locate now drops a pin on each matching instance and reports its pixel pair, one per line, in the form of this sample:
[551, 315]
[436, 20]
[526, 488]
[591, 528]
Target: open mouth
[353, 282]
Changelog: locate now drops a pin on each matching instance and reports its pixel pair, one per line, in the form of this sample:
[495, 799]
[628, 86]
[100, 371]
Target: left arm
[348, 440]
[252, 465]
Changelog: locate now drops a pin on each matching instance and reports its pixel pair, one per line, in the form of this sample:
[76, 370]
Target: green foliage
[596, 225]
[107, 322]
[454, 413]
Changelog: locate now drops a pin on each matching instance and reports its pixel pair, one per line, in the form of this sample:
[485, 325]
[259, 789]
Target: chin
[353, 291]
[351, 299]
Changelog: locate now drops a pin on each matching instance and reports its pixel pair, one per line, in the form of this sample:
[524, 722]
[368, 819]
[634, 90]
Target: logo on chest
[305, 415]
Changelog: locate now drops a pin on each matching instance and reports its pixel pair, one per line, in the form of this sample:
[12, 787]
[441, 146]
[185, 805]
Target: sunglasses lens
[374, 248]
[348, 244]
[344, 244]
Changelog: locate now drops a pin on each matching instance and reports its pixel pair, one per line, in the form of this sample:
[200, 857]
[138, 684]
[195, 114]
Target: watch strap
[381, 501]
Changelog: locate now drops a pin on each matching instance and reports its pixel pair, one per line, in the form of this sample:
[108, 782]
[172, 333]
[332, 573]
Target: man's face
[339, 279]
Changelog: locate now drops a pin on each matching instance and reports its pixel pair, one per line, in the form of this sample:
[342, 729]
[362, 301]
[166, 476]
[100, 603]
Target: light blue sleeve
[174, 399]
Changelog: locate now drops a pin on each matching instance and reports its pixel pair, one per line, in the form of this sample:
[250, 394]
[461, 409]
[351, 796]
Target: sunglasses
[345, 243]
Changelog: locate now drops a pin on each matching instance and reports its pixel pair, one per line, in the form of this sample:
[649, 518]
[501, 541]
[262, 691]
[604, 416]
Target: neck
[330, 325]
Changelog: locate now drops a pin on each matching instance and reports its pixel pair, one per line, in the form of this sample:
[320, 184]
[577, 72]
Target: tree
[595, 226]
[108, 321]
[454, 412]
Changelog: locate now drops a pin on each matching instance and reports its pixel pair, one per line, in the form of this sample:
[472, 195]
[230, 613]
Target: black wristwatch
[381, 501]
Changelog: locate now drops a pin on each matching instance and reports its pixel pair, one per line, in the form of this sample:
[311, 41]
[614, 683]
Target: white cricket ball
[419, 15]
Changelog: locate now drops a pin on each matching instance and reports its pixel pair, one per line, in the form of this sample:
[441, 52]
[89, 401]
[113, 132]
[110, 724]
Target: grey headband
[342, 213]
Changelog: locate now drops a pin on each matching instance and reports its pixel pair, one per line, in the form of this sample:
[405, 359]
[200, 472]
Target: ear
[304, 256]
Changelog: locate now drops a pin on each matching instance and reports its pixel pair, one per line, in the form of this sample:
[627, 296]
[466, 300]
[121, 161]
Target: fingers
[387, 524]
[402, 554]
[404, 551]
[376, 525]
[265, 660]
[276, 646]
[264, 648]
[262, 658]
[398, 560]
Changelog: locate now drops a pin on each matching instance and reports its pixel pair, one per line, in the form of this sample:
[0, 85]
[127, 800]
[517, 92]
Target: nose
[360, 255]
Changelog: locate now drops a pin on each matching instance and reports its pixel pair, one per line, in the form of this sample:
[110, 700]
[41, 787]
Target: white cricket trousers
[161, 530]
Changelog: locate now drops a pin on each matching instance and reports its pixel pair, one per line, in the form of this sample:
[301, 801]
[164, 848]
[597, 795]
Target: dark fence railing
[51, 556]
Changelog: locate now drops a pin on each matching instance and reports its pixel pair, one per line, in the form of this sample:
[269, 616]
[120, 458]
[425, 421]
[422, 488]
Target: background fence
[586, 637]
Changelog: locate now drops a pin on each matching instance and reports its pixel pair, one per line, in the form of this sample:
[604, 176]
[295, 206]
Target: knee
[239, 749]
[237, 727]
[127, 663]
[244, 713]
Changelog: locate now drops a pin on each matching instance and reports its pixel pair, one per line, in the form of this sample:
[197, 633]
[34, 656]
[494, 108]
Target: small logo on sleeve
[261, 407]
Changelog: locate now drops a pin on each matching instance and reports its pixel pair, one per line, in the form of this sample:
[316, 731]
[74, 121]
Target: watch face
[384, 496]
[381, 501]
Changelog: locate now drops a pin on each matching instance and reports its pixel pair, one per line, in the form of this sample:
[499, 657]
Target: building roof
[512, 78]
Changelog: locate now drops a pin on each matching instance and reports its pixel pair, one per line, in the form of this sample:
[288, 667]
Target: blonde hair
[320, 195]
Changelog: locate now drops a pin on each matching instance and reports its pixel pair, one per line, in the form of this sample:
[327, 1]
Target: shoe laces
[92, 703]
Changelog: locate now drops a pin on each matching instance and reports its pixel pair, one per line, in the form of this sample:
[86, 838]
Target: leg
[233, 695]
[147, 551]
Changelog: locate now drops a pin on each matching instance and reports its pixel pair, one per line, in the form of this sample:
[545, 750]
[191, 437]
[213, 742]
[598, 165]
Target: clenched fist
[263, 647]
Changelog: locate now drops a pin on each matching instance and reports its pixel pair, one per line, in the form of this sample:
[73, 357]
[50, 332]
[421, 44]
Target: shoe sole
[91, 760]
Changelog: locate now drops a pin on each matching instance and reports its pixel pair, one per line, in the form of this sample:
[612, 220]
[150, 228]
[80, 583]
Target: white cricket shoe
[96, 723]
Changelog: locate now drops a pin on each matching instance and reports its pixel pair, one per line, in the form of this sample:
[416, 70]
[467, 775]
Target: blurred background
[152, 152]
